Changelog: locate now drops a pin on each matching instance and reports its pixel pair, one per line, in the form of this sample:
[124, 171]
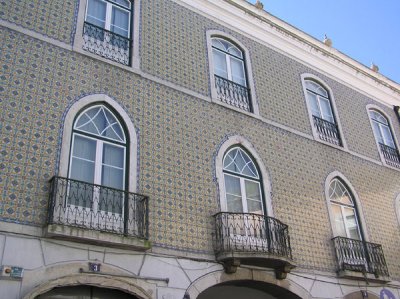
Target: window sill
[77, 234]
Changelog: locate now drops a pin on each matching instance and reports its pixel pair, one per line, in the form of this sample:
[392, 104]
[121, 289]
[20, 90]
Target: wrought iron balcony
[232, 93]
[107, 44]
[327, 131]
[94, 207]
[391, 155]
[360, 256]
[252, 239]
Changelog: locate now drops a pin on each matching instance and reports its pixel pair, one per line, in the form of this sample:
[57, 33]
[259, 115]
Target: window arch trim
[210, 34]
[372, 107]
[356, 201]
[311, 77]
[122, 116]
[239, 141]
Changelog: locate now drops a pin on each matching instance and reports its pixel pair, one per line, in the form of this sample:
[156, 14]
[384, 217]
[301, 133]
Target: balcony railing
[327, 131]
[391, 155]
[360, 256]
[232, 93]
[94, 207]
[251, 233]
[107, 44]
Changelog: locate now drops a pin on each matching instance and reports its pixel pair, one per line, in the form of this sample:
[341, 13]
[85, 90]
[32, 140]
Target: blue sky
[365, 30]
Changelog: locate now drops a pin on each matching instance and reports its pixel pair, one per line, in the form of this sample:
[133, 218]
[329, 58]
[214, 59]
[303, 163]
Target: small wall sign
[17, 272]
[94, 267]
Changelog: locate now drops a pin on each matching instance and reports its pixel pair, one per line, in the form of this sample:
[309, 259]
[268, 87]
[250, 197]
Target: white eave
[266, 29]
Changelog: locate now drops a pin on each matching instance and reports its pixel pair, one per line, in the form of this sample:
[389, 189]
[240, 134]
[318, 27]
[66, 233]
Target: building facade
[191, 149]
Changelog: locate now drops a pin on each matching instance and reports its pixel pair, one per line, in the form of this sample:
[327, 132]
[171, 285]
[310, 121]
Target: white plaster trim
[248, 69]
[370, 107]
[134, 51]
[319, 81]
[397, 208]
[67, 133]
[266, 181]
[357, 203]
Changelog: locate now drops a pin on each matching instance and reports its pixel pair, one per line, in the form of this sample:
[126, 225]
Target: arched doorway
[84, 292]
[245, 289]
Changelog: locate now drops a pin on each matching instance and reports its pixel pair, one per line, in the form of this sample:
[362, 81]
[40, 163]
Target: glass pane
[238, 74]
[318, 89]
[112, 177]
[313, 101]
[84, 148]
[378, 117]
[96, 13]
[220, 68]
[113, 156]
[232, 185]
[387, 136]
[124, 3]
[235, 51]
[82, 170]
[253, 196]
[338, 221]
[339, 193]
[101, 122]
[120, 22]
[351, 223]
[326, 110]
[234, 203]
[238, 161]
[377, 132]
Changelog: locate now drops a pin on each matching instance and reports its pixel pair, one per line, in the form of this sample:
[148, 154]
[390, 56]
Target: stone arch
[243, 275]
[103, 281]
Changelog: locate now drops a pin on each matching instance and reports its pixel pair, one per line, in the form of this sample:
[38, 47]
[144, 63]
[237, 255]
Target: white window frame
[109, 6]
[319, 81]
[378, 109]
[131, 137]
[265, 178]
[363, 229]
[133, 34]
[247, 65]
[242, 182]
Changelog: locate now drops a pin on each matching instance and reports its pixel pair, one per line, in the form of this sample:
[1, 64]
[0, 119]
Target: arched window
[384, 138]
[97, 169]
[230, 74]
[242, 183]
[98, 152]
[320, 107]
[344, 211]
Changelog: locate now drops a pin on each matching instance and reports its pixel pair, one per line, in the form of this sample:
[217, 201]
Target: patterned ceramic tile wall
[178, 138]
[51, 18]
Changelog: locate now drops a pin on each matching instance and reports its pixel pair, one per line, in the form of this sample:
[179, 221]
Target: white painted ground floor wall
[49, 263]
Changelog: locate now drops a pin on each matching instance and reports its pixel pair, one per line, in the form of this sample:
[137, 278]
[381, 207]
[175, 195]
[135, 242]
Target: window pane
[313, 101]
[125, 3]
[387, 136]
[112, 177]
[326, 110]
[232, 185]
[253, 197]
[238, 74]
[120, 21]
[220, 68]
[84, 148]
[234, 204]
[338, 221]
[377, 132]
[113, 156]
[96, 13]
[351, 223]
